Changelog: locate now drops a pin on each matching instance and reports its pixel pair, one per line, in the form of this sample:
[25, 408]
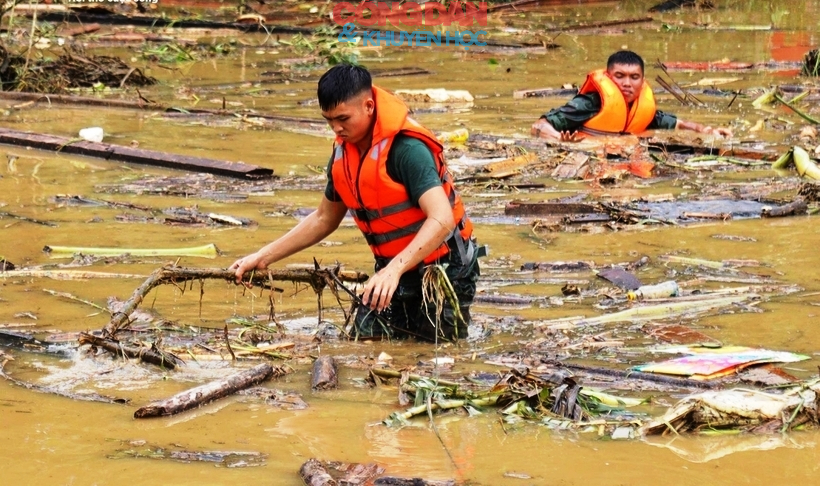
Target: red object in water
[789, 46]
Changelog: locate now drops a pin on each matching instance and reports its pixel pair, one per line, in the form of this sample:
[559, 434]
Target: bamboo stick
[396, 374]
[204, 251]
[441, 405]
[806, 167]
[766, 98]
[659, 311]
[794, 109]
[784, 160]
[694, 261]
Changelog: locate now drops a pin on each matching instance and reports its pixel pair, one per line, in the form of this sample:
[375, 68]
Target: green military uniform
[583, 107]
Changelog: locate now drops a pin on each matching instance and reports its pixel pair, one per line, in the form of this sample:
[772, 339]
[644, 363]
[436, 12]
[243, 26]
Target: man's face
[351, 120]
[629, 78]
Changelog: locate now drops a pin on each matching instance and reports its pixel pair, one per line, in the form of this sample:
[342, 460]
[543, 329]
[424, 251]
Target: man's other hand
[380, 288]
[723, 132]
[543, 129]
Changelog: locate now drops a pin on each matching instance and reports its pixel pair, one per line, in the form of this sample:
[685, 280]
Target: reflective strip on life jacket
[372, 214]
[614, 116]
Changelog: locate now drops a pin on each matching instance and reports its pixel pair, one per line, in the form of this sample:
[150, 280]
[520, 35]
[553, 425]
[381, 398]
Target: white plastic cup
[92, 134]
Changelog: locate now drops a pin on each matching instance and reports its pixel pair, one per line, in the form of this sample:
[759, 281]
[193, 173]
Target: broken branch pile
[71, 69]
[556, 395]
[122, 317]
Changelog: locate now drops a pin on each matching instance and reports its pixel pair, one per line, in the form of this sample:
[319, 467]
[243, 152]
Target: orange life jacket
[614, 116]
[381, 206]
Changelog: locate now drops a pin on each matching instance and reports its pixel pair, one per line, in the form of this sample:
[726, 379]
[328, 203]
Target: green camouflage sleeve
[578, 110]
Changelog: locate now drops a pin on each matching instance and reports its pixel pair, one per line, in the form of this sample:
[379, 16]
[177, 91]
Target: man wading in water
[614, 101]
[389, 171]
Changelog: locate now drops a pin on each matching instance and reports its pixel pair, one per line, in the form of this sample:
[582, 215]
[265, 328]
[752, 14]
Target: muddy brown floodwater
[48, 439]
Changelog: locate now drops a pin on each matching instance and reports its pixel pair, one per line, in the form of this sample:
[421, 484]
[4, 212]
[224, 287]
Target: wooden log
[4, 214]
[395, 481]
[701, 215]
[83, 29]
[165, 275]
[586, 218]
[543, 92]
[542, 3]
[798, 206]
[677, 147]
[557, 267]
[482, 298]
[600, 25]
[133, 155]
[79, 100]
[143, 104]
[58, 16]
[638, 375]
[313, 473]
[154, 355]
[201, 395]
[516, 208]
[325, 374]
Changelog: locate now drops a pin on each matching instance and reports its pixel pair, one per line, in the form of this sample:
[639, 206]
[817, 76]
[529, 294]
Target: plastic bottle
[657, 291]
[459, 135]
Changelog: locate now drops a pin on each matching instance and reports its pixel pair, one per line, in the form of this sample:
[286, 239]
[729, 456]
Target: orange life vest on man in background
[615, 116]
[381, 206]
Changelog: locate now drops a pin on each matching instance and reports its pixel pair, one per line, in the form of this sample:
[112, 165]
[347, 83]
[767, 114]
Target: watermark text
[370, 14]
[463, 38]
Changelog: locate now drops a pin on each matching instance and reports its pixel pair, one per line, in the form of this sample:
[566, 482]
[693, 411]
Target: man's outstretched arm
[313, 229]
[697, 127]
[544, 129]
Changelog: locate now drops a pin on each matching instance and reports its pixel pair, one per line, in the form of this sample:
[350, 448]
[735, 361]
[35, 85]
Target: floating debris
[230, 459]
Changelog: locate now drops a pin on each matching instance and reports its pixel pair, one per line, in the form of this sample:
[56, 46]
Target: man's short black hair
[624, 57]
[342, 83]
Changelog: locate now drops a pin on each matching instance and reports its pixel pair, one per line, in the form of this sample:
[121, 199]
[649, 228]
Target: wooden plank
[542, 92]
[79, 100]
[515, 208]
[545, 3]
[574, 165]
[511, 164]
[61, 16]
[127, 154]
